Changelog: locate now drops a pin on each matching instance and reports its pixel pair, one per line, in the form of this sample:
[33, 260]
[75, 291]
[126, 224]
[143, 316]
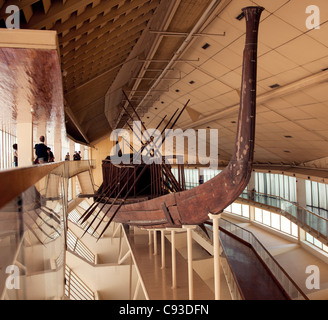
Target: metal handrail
[270, 257]
[235, 281]
[76, 245]
[201, 232]
[75, 288]
[282, 199]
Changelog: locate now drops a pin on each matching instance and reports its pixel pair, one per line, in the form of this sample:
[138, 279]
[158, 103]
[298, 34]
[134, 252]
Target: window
[316, 242]
[236, 208]
[258, 215]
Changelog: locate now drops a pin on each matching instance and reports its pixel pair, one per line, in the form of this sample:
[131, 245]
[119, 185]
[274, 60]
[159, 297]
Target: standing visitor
[41, 151]
[51, 157]
[15, 155]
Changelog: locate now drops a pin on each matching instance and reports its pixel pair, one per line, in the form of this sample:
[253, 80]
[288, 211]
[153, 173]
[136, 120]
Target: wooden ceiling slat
[109, 72]
[120, 25]
[103, 19]
[109, 58]
[102, 57]
[46, 5]
[20, 4]
[99, 44]
[73, 58]
[55, 13]
[28, 12]
[86, 15]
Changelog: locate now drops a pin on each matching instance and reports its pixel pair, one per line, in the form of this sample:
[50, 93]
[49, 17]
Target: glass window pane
[285, 225]
[294, 230]
[236, 208]
[275, 220]
[281, 185]
[258, 215]
[292, 189]
[317, 243]
[261, 182]
[308, 191]
[322, 196]
[315, 200]
[245, 210]
[266, 217]
[324, 248]
[309, 238]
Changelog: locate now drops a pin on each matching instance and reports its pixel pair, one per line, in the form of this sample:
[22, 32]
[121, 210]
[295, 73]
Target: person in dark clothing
[15, 155]
[51, 157]
[41, 151]
[76, 156]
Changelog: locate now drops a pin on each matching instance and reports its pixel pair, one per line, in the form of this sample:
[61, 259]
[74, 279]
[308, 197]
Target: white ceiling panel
[280, 32]
[303, 50]
[294, 12]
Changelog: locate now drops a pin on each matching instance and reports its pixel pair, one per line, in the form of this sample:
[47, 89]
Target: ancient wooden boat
[174, 208]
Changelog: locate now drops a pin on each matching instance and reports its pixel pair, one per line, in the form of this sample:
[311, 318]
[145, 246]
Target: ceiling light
[288, 137]
[276, 85]
[233, 121]
[205, 46]
[192, 82]
[286, 151]
[177, 90]
[240, 16]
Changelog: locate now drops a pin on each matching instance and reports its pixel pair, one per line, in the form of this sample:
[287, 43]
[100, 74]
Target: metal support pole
[163, 248]
[190, 264]
[155, 242]
[174, 261]
[216, 244]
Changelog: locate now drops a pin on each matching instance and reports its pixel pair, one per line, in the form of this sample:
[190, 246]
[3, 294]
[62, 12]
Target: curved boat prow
[191, 207]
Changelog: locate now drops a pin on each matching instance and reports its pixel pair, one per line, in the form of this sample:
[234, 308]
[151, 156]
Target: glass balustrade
[32, 230]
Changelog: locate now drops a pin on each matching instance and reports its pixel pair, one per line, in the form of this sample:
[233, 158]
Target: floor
[294, 258]
[158, 281]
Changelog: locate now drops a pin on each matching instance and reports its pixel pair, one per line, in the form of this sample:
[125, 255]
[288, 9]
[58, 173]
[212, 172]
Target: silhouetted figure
[51, 157]
[15, 155]
[76, 156]
[41, 151]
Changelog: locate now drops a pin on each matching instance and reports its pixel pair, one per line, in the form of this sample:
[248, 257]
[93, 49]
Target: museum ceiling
[155, 55]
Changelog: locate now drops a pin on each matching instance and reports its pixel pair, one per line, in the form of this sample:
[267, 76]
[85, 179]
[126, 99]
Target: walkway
[310, 221]
[254, 280]
[157, 280]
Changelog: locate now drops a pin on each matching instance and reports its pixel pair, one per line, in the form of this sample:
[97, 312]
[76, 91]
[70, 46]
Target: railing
[74, 217]
[287, 284]
[300, 215]
[74, 244]
[232, 282]
[75, 288]
[32, 229]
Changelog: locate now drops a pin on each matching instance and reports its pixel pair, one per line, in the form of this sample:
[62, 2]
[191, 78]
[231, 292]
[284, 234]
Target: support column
[216, 244]
[190, 264]
[25, 139]
[155, 242]
[301, 192]
[173, 259]
[163, 248]
[251, 213]
[71, 149]
[57, 146]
